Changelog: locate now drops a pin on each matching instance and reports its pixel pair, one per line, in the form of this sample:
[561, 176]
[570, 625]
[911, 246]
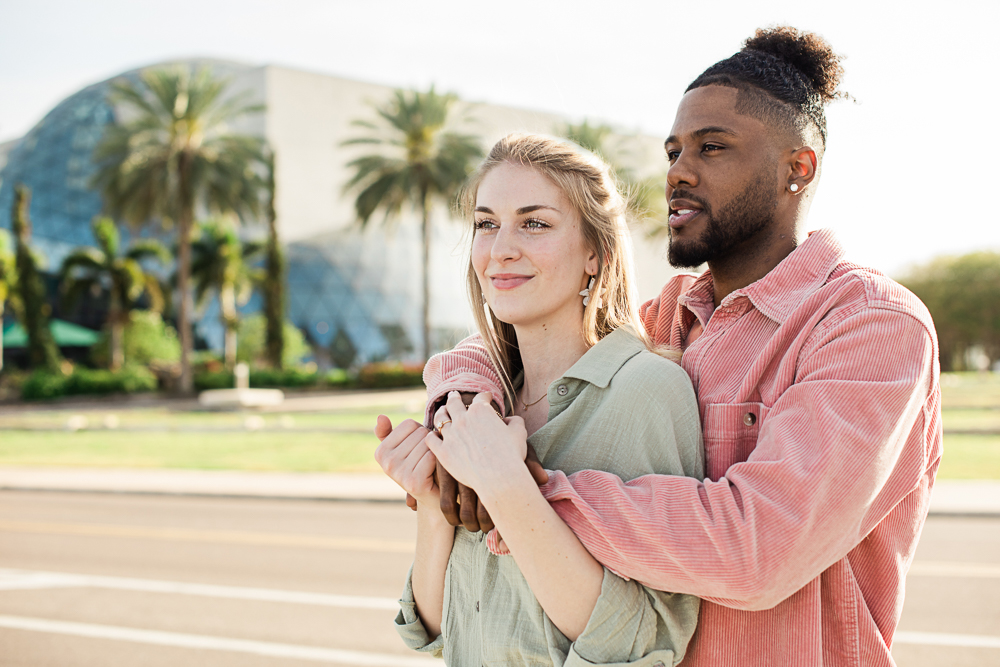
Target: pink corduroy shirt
[820, 405]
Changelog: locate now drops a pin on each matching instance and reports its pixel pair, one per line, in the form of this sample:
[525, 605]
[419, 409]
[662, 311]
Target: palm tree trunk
[183, 276]
[1, 335]
[227, 304]
[117, 326]
[274, 289]
[426, 234]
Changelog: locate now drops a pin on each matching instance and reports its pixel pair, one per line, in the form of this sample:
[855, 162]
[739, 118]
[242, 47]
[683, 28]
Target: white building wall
[309, 116]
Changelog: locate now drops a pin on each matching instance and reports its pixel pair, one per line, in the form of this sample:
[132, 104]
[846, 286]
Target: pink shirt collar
[777, 294]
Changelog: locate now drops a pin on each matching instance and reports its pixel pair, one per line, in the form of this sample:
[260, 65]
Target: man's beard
[740, 219]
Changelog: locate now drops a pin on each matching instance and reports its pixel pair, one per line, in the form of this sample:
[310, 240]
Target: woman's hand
[475, 445]
[405, 458]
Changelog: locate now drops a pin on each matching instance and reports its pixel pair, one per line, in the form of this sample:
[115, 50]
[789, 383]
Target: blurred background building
[351, 291]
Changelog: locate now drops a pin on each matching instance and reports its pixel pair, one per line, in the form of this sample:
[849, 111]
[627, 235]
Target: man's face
[722, 186]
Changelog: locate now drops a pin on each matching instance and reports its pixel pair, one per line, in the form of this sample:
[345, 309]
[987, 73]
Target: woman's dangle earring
[586, 294]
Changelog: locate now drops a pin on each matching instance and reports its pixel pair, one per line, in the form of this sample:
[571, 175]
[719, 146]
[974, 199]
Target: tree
[34, 307]
[89, 269]
[645, 195]
[175, 155]
[220, 265]
[8, 279]
[417, 162]
[273, 285]
[963, 296]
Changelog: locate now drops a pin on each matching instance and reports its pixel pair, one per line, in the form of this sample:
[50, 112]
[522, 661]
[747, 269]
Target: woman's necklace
[525, 406]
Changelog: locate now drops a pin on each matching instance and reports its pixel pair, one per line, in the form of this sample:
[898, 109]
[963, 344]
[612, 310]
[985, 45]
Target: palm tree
[8, 279]
[33, 306]
[273, 285]
[417, 162]
[175, 155]
[89, 269]
[645, 196]
[220, 264]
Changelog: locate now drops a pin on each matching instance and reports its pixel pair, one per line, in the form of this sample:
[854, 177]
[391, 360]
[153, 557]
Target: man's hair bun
[807, 52]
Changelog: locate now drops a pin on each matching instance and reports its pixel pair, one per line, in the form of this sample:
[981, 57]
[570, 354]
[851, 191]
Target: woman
[550, 274]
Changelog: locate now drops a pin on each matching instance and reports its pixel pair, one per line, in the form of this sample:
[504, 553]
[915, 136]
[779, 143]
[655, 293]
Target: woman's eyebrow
[535, 207]
[520, 211]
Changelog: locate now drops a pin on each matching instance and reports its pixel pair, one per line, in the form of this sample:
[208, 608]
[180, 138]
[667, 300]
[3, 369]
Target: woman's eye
[535, 224]
[485, 225]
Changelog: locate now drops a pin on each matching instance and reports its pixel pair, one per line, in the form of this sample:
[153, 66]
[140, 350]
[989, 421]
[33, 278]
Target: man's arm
[466, 368]
[838, 450]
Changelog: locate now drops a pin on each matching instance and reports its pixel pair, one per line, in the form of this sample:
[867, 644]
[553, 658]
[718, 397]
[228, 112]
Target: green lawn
[970, 457]
[317, 452]
[221, 440]
[167, 420]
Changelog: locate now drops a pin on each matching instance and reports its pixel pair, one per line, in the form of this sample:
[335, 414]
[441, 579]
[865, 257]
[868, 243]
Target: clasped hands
[476, 449]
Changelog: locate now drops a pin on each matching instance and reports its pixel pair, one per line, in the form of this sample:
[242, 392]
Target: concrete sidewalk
[951, 497]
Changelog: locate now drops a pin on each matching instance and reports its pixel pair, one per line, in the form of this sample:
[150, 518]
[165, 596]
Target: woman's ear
[592, 264]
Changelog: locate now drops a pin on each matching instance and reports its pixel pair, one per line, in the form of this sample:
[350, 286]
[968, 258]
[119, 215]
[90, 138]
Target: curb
[955, 498]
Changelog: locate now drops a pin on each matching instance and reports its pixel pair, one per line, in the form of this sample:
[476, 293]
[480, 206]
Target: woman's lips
[508, 281]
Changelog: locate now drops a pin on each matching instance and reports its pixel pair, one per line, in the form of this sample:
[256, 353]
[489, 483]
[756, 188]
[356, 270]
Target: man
[817, 383]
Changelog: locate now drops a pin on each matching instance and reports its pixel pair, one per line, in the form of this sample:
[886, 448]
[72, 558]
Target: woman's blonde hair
[589, 185]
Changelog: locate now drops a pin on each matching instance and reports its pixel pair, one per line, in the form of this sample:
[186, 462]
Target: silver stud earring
[794, 187]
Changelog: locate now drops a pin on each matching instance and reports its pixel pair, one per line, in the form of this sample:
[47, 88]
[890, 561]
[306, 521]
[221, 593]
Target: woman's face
[528, 251]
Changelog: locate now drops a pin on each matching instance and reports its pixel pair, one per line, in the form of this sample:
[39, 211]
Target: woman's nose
[505, 246]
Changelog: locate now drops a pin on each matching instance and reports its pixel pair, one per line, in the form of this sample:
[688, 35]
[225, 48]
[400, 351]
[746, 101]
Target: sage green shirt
[622, 409]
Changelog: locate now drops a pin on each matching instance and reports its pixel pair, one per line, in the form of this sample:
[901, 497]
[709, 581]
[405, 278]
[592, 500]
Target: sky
[910, 163]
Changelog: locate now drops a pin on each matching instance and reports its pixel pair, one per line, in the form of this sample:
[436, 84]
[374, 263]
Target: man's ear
[802, 169]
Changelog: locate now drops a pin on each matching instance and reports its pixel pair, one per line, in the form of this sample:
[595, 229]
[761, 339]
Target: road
[102, 579]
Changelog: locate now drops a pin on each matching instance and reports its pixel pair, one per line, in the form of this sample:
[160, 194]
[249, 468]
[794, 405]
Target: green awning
[66, 334]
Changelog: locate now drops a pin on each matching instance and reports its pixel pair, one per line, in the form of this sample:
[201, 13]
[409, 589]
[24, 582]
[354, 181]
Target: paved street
[105, 579]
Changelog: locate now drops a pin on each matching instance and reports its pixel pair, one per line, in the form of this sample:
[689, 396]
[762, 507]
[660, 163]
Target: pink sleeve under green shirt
[819, 399]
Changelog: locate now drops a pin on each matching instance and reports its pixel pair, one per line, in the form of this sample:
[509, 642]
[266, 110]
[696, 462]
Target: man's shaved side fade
[785, 78]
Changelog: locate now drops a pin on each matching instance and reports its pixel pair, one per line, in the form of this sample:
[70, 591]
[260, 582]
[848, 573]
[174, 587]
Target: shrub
[129, 380]
[259, 377]
[251, 341]
[289, 377]
[384, 375]
[148, 339]
[338, 377]
[214, 380]
[42, 385]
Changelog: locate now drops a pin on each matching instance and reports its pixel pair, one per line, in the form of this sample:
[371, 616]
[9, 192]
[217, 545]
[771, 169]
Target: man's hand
[460, 504]
[455, 497]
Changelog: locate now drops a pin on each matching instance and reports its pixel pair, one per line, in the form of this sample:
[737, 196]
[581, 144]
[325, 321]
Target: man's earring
[794, 187]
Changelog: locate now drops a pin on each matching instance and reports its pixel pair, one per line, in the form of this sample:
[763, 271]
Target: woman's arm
[564, 577]
[404, 457]
[435, 537]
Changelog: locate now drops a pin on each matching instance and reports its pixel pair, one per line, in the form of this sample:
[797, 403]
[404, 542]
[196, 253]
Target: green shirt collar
[598, 366]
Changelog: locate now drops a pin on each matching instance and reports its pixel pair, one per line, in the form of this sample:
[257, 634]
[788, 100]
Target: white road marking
[31, 579]
[177, 639]
[210, 536]
[954, 569]
[945, 639]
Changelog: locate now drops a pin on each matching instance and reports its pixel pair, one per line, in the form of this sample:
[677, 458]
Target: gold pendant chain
[525, 406]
